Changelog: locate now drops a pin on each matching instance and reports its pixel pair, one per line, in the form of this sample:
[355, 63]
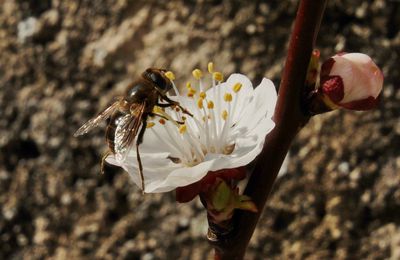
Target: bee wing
[94, 122]
[127, 130]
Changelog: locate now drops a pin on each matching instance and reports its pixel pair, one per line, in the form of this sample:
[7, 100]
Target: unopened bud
[351, 81]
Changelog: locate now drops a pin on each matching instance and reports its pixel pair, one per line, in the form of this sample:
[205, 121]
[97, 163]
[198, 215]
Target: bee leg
[165, 105]
[166, 118]
[140, 167]
[103, 161]
[184, 110]
[174, 103]
[139, 140]
[142, 130]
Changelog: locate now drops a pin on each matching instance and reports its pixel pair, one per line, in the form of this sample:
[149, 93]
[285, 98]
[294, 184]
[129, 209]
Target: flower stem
[289, 118]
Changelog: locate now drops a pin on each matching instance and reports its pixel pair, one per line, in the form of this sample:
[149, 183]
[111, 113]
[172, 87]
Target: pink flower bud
[351, 81]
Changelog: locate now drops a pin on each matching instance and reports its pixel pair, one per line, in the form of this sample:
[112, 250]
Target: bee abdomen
[110, 130]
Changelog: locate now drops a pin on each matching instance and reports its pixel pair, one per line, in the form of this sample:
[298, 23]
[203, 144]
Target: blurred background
[62, 61]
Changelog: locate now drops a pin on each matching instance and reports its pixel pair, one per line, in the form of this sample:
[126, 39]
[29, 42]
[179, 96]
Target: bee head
[157, 76]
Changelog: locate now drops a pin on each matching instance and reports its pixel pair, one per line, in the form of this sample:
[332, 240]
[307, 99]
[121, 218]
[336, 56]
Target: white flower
[228, 128]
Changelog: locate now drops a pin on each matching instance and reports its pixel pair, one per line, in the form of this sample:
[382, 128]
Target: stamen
[210, 67]
[227, 124]
[214, 129]
[176, 139]
[228, 97]
[196, 146]
[182, 129]
[236, 88]
[217, 96]
[161, 112]
[162, 121]
[150, 124]
[207, 132]
[200, 103]
[191, 92]
[218, 76]
[197, 74]
[188, 85]
[170, 75]
[210, 124]
[192, 145]
[224, 114]
[201, 85]
[203, 95]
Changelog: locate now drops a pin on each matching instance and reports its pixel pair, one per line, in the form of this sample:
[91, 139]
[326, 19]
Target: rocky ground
[62, 61]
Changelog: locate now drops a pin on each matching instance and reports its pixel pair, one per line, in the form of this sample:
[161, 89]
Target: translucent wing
[127, 130]
[94, 122]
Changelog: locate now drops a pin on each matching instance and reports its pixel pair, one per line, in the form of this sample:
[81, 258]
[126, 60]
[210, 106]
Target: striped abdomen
[111, 128]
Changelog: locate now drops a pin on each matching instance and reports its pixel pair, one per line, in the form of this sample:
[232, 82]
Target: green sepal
[223, 200]
[245, 203]
[313, 69]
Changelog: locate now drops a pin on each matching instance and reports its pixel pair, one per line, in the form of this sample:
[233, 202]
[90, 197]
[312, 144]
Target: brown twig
[289, 119]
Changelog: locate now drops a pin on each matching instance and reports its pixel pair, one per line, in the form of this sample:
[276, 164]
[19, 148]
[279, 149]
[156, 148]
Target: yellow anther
[191, 92]
[210, 67]
[157, 110]
[203, 95]
[183, 118]
[218, 76]
[170, 75]
[236, 88]
[188, 85]
[200, 103]
[228, 97]
[224, 114]
[150, 124]
[210, 105]
[197, 74]
[162, 121]
[182, 129]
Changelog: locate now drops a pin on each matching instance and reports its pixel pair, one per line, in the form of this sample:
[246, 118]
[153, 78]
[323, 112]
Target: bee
[128, 115]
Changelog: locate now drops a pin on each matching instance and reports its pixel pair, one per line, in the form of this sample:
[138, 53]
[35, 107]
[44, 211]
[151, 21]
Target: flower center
[209, 130]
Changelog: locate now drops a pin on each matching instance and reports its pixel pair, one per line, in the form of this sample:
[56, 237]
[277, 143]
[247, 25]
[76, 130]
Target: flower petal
[156, 169]
[261, 106]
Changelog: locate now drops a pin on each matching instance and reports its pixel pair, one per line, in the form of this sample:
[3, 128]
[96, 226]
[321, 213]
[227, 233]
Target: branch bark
[289, 119]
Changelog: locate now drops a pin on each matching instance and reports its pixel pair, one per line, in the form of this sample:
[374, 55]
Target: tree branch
[289, 119]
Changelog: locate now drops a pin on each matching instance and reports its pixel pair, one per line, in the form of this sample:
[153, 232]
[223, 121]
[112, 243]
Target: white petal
[155, 142]
[263, 105]
[249, 145]
[156, 168]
